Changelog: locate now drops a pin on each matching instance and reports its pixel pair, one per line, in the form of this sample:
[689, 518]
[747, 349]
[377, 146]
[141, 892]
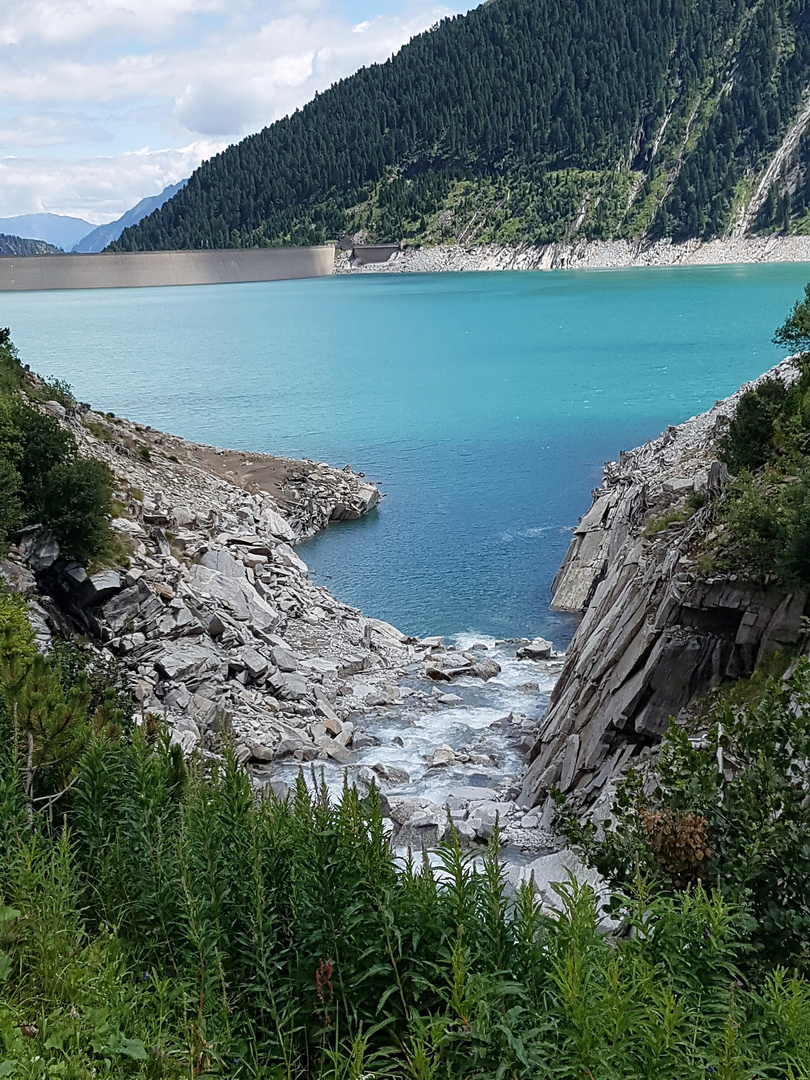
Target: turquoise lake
[484, 405]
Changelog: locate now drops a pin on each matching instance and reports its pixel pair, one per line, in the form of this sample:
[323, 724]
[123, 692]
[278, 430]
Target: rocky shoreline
[220, 632]
[587, 255]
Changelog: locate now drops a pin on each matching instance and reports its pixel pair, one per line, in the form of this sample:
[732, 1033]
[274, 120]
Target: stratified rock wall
[655, 633]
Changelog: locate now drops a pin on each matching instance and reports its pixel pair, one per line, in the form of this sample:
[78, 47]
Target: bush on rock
[42, 478]
[764, 516]
[730, 812]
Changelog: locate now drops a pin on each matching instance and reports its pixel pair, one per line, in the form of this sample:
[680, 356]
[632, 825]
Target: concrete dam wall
[122, 270]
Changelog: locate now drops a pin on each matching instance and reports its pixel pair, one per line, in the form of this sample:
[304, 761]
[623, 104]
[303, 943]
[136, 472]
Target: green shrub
[11, 511]
[61, 391]
[767, 527]
[754, 525]
[52, 389]
[794, 333]
[749, 442]
[44, 481]
[662, 522]
[765, 512]
[731, 812]
[12, 374]
[43, 446]
[101, 431]
[74, 506]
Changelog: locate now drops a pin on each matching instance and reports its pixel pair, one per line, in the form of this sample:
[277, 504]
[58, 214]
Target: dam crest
[141, 269]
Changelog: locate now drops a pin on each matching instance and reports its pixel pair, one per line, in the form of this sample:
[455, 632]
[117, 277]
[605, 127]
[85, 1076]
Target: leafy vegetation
[766, 527]
[53, 389]
[662, 522]
[764, 517]
[729, 812]
[43, 480]
[531, 120]
[749, 443]
[659, 523]
[158, 921]
[794, 333]
[12, 373]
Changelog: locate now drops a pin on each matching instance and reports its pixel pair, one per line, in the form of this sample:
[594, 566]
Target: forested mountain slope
[532, 120]
[18, 245]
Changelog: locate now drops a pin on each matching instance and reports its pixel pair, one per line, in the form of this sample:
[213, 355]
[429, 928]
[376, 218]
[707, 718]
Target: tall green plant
[43, 480]
[12, 374]
[794, 333]
[169, 922]
[731, 812]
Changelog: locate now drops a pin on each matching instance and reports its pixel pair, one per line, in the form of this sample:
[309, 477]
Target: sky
[103, 102]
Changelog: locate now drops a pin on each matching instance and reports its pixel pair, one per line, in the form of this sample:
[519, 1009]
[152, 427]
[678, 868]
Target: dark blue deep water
[484, 405]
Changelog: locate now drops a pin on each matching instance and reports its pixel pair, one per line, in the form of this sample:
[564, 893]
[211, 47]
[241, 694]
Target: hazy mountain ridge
[59, 230]
[103, 235]
[536, 121]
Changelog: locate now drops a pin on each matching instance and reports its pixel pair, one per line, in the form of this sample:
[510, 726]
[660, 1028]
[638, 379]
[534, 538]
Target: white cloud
[67, 22]
[50, 129]
[96, 189]
[182, 74]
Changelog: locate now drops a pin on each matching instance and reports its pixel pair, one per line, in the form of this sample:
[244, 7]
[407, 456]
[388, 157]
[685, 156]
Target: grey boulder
[287, 686]
[539, 649]
[284, 659]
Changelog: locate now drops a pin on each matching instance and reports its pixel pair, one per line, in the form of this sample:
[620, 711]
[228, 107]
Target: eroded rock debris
[219, 630]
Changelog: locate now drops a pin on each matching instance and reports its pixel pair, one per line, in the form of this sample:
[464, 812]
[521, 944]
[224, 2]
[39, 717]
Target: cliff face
[655, 633]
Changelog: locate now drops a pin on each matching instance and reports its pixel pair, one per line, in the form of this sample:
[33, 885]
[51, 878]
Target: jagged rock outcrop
[212, 616]
[656, 633]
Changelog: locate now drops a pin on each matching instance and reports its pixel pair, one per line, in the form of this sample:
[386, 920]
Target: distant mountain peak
[57, 229]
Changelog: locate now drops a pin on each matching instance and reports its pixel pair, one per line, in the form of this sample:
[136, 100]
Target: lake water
[484, 405]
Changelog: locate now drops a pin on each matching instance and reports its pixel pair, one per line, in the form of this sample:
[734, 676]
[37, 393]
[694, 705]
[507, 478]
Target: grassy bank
[156, 920]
